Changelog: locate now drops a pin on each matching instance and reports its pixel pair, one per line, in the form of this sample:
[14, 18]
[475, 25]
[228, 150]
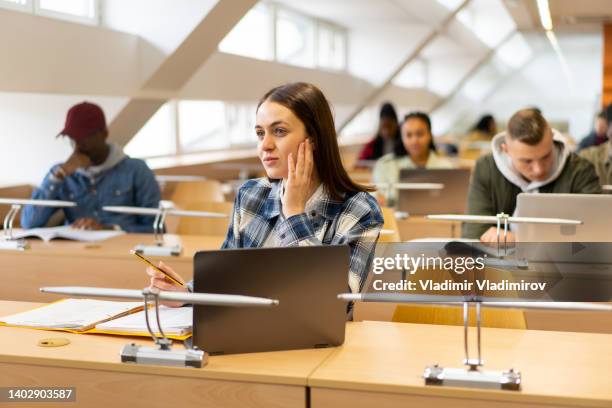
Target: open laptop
[578, 258]
[594, 210]
[305, 280]
[451, 199]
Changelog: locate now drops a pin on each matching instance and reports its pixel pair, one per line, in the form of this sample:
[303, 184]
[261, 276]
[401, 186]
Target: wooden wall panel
[607, 65]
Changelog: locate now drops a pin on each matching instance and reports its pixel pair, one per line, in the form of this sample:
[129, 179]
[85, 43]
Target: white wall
[161, 24]
[28, 126]
[46, 55]
[48, 63]
[235, 78]
[240, 79]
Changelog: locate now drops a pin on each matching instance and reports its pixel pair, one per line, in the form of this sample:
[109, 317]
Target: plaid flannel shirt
[355, 221]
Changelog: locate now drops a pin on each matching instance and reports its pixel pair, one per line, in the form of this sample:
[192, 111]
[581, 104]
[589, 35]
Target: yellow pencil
[152, 265]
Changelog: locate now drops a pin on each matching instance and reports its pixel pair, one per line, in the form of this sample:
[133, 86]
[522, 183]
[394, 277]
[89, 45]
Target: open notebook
[66, 232]
[175, 321]
[103, 316]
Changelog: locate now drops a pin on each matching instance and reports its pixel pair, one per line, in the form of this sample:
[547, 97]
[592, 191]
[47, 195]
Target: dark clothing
[592, 139]
[491, 193]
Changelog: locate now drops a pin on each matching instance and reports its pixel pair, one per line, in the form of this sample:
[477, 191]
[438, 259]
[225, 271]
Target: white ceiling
[567, 15]
[355, 14]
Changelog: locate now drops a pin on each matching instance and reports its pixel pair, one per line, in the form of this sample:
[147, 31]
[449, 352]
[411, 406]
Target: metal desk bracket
[473, 376]
[159, 249]
[7, 241]
[163, 354]
[501, 261]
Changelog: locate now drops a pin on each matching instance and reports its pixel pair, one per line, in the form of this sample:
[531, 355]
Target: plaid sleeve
[358, 226]
[297, 230]
[233, 233]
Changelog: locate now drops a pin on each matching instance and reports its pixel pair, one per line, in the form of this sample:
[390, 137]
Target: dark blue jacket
[129, 183]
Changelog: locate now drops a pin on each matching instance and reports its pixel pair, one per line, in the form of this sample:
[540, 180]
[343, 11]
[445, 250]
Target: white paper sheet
[73, 314]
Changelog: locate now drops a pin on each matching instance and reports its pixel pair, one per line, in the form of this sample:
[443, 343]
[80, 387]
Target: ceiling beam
[376, 92]
[178, 68]
[486, 57]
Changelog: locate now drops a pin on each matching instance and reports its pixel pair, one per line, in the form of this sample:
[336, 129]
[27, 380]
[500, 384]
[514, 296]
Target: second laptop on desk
[305, 280]
[450, 199]
[593, 210]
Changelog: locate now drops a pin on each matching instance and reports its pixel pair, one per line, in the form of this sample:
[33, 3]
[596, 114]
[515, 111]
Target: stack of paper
[71, 314]
[174, 321]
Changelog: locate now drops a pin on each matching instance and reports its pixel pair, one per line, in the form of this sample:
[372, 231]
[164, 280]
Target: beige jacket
[599, 156]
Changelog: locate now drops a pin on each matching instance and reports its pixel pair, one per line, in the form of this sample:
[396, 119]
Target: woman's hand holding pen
[159, 281]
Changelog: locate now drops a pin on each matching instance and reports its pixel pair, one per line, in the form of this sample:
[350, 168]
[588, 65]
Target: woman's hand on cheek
[299, 182]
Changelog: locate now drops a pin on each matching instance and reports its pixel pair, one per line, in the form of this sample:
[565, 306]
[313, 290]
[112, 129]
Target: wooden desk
[420, 227]
[107, 264]
[585, 322]
[381, 364]
[91, 364]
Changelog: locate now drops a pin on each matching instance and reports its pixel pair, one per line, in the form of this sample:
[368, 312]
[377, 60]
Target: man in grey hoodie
[530, 157]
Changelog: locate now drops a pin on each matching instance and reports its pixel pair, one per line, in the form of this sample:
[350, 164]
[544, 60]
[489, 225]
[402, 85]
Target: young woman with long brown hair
[307, 197]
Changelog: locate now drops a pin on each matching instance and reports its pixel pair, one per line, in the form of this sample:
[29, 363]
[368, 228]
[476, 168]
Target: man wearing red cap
[95, 175]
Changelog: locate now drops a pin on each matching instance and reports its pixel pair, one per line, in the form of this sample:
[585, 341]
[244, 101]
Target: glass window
[270, 32]
[240, 123]
[252, 36]
[331, 48]
[80, 11]
[201, 125]
[157, 137]
[81, 8]
[22, 5]
[295, 39]
[450, 4]
[209, 125]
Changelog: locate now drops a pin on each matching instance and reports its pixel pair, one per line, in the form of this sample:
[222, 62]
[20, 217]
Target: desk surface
[106, 264]
[118, 247]
[101, 352]
[382, 360]
[416, 226]
[557, 367]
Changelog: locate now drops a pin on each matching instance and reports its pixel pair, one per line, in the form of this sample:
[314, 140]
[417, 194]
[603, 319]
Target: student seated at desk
[530, 157]
[598, 135]
[307, 197]
[95, 175]
[601, 155]
[419, 152]
[387, 140]
[478, 140]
